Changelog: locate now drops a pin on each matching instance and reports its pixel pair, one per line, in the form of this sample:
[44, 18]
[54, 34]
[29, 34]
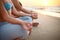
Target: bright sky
[40, 2]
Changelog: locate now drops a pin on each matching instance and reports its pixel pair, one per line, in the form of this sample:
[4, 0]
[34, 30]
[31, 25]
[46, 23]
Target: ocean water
[53, 9]
[49, 8]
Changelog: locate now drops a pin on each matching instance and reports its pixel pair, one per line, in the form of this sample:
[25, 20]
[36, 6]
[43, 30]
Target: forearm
[19, 13]
[23, 14]
[12, 20]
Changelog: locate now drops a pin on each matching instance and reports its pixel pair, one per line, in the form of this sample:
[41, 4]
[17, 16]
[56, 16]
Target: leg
[28, 19]
[12, 32]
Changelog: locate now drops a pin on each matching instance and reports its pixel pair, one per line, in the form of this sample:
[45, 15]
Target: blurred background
[51, 5]
[40, 3]
[48, 18]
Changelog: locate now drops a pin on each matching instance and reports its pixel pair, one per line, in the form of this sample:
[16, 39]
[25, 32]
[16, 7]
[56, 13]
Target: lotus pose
[14, 25]
[11, 27]
[20, 8]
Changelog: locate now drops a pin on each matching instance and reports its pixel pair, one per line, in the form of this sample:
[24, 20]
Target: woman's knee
[26, 18]
[14, 30]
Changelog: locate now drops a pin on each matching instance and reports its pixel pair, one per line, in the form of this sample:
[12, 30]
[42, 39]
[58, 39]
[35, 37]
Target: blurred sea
[53, 9]
[49, 8]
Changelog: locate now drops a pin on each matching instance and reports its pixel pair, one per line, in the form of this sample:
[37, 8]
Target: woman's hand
[26, 25]
[34, 15]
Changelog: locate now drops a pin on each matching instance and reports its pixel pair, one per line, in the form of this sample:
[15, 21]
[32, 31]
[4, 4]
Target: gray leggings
[10, 31]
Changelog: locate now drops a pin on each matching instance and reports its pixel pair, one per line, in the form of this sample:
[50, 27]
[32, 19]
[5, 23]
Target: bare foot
[35, 24]
[17, 38]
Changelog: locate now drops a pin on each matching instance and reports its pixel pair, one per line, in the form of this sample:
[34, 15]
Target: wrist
[21, 22]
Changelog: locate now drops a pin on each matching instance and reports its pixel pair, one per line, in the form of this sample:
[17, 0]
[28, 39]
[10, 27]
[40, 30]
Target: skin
[20, 8]
[9, 17]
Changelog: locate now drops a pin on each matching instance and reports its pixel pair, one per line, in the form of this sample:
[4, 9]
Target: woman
[19, 7]
[13, 28]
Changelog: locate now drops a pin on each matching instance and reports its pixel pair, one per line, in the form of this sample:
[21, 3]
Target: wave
[49, 8]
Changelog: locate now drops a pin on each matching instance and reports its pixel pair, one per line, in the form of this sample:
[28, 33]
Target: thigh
[26, 18]
[11, 31]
